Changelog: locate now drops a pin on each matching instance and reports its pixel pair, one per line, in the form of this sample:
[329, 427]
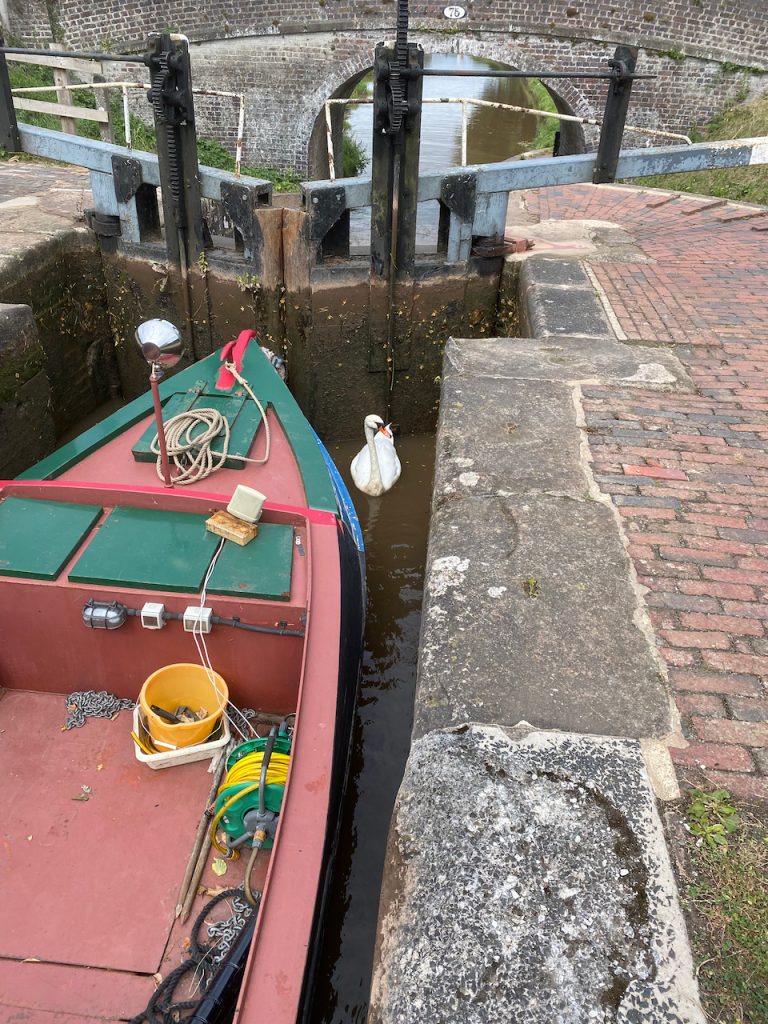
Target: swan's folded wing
[361, 468]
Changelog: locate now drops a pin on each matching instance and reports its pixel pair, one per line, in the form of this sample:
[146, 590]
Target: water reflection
[395, 528]
[492, 134]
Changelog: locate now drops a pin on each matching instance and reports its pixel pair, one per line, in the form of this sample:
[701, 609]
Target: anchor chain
[224, 933]
[84, 704]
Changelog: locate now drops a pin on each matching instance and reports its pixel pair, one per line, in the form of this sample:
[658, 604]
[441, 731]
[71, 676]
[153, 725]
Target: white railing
[467, 101]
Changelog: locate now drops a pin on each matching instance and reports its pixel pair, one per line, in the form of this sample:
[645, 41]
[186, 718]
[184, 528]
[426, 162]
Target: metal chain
[92, 704]
[224, 933]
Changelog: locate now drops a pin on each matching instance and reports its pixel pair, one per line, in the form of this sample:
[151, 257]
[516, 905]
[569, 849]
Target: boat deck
[89, 886]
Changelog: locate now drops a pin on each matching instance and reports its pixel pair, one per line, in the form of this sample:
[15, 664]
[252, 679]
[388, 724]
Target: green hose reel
[233, 822]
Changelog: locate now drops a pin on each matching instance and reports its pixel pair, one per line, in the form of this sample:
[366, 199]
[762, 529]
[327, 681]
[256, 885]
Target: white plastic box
[184, 755]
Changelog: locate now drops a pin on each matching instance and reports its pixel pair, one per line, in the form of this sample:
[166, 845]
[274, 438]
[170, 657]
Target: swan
[376, 467]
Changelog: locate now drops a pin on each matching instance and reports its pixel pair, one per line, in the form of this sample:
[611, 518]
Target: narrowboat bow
[106, 577]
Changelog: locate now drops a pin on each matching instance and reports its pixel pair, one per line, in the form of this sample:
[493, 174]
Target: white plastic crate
[184, 755]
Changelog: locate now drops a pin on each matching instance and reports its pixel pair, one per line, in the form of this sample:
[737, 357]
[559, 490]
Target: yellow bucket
[173, 686]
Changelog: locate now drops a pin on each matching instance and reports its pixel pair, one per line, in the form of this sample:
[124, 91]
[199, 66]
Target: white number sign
[454, 12]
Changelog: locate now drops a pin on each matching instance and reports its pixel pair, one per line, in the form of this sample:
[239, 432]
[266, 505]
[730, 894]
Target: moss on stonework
[17, 370]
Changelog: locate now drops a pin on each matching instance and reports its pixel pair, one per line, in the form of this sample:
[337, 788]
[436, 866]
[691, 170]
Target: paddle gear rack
[391, 103]
[173, 108]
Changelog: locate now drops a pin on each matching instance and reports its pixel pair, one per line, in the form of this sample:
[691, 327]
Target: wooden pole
[63, 95]
[202, 829]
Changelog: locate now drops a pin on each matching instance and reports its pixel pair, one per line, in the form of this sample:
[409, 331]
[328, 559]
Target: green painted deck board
[260, 569]
[37, 538]
[266, 384]
[148, 549]
[240, 412]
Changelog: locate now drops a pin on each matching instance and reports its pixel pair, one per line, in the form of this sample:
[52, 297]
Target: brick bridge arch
[289, 58]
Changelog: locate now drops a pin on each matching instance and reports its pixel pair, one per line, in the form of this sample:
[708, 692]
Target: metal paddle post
[174, 112]
[394, 188]
[615, 116]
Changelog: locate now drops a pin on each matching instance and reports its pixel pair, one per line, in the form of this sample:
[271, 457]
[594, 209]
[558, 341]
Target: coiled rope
[191, 449]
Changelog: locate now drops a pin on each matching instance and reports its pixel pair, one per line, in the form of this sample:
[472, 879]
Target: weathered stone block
[528, 880]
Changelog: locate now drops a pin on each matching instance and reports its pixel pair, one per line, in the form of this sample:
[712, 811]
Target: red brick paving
[689, 472]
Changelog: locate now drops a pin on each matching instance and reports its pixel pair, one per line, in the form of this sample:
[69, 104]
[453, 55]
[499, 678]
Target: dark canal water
[395, 528]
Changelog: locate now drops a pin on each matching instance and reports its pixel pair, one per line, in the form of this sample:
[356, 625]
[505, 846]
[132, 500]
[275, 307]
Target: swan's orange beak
[385, 431]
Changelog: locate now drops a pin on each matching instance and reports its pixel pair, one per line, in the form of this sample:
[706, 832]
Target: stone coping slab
[568, 359]
[529, 615]
[528, 880]
[530, 612]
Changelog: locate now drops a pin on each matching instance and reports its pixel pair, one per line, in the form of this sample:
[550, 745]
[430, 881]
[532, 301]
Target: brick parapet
[701, 27]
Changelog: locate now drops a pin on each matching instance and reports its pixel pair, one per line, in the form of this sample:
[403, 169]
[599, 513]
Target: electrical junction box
[197, 619]
[152, 615]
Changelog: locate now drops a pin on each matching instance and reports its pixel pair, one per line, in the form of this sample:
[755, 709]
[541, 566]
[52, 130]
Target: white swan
[376, 467]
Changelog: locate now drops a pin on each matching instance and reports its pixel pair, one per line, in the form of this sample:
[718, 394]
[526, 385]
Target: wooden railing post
[102, 103]
[63, 95]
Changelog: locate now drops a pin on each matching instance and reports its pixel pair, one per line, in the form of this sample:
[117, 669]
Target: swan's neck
[375, 468]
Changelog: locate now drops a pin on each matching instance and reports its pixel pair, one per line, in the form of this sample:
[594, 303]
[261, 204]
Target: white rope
[202, 648]
[194, 458]
[191, 449]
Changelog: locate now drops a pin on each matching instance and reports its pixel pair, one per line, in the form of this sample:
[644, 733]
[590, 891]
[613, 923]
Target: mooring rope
[192, 453]
[163, 1007]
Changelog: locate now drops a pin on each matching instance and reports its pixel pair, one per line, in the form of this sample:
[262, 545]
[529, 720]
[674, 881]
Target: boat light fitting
[160, 343]
[104, 614]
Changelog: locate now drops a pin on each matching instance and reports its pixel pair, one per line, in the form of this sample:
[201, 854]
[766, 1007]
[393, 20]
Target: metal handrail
[123, 58]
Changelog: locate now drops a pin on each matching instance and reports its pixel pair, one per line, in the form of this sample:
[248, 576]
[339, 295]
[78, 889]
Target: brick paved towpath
[689, 472]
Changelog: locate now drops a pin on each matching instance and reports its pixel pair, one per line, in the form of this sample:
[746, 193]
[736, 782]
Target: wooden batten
[67, 110]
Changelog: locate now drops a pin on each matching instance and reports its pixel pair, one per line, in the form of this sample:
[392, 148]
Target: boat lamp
[160, 344]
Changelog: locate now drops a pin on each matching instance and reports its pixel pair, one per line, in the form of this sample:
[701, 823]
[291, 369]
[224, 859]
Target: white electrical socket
[197, 619]
[152, 615]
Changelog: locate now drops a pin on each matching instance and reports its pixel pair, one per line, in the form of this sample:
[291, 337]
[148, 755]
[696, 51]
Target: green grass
[355, 159]
[210, 153]
[548, 126]
[727, 904]
[742, 184]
